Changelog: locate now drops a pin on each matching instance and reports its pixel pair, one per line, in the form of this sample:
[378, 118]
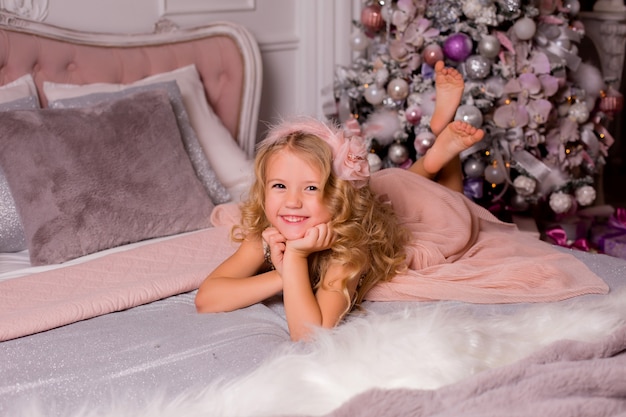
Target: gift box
[570, 232]
[609, 237]
[599, 233]
[616, 246]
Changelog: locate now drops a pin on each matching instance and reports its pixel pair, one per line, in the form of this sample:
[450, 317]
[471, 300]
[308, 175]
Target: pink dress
[460, 251]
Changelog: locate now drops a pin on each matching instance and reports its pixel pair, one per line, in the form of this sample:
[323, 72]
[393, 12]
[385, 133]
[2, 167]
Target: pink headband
[349, 152]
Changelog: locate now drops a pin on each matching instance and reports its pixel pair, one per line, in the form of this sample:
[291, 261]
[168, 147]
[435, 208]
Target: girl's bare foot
[455, 138]
[449, 87]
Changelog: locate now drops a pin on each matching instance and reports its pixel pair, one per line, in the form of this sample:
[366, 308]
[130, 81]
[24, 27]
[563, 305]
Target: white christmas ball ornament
[524, 185]
[578, 112]
[572, 6]
[585, 195]
[374, 162]
[469, 114]
[398, 89]
[374, 95]
[560, 202]
[525, 28]
[359, 41]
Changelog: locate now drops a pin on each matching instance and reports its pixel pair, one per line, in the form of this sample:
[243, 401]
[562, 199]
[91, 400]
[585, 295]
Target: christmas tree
[525, 85]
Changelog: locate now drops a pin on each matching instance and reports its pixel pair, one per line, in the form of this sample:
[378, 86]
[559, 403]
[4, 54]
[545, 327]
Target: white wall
[301, 41]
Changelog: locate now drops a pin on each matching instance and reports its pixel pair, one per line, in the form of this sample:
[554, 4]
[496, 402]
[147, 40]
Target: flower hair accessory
[349, 150]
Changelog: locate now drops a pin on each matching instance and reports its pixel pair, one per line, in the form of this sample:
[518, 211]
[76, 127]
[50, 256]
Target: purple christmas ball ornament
[458, 47]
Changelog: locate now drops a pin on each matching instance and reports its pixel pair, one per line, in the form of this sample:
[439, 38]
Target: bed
[108, 327]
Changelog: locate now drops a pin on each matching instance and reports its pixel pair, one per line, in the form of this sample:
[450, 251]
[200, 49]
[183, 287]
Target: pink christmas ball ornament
[413, 115]
[423, 141]
[372, 17]
[458, 47]
[432, 53]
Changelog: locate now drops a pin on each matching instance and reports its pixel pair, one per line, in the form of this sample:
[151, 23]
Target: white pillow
[19, 88]
[229, 161]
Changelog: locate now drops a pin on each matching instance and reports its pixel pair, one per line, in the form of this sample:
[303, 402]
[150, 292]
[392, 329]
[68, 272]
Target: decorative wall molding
[607, 32]
[323, 27]
[29, 9]
[177, 7]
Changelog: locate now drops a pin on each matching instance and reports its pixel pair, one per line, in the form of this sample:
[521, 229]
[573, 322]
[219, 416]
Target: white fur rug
[424, 348]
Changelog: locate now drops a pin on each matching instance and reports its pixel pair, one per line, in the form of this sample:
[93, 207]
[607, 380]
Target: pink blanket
[460, 251]
[111, 283]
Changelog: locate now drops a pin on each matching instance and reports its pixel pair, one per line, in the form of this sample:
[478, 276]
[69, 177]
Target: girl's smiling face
[293, 195]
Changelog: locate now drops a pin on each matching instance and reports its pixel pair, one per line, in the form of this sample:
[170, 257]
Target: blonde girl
[313, 229]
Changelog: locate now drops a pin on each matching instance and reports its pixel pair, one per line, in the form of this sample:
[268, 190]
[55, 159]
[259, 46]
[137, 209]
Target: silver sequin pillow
[11, 231]
[205, 173]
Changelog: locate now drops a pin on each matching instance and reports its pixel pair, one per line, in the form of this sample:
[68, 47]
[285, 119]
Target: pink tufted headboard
[225, 54]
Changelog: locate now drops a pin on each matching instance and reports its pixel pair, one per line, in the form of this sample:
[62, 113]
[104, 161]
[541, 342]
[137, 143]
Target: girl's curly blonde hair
[370, 242]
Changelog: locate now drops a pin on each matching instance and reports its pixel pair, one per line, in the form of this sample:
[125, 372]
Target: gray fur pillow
[97, 177]
[216, 190]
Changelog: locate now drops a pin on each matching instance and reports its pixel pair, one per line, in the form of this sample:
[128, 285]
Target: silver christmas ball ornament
[397, 153]
[374, 94]
[495, 174]
[469, 114]
[489, 46]
[477, 67]
[473, 168]
[525, 28]
[510, 6]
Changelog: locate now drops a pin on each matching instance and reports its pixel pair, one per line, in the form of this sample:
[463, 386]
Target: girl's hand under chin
[316, 239]
[277, 243]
